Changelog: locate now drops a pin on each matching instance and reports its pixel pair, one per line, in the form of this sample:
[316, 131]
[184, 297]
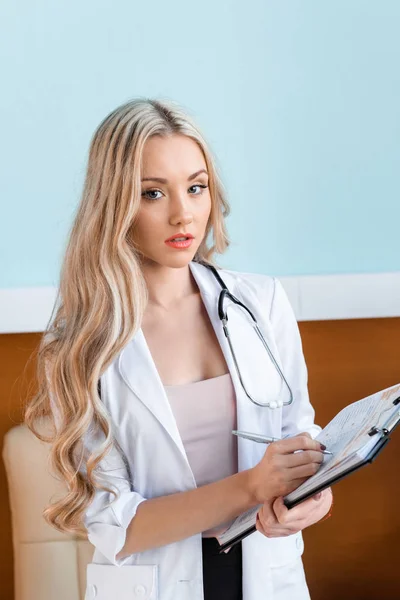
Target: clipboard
[385, 432]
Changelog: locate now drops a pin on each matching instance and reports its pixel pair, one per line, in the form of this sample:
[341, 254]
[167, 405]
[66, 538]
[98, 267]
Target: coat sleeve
[298, 416]
[106, 519]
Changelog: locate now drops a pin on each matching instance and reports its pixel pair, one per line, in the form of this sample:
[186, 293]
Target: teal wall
[299, 100]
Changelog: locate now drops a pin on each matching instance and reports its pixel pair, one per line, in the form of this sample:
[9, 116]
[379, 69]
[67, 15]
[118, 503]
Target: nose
[180, 214]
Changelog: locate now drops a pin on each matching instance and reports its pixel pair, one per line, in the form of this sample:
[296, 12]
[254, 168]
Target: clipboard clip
[390, 424]
[374, 430]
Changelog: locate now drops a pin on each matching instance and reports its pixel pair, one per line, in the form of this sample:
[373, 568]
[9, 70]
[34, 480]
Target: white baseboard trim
[314, 298]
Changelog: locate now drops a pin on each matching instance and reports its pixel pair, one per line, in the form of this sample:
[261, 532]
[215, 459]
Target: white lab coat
[151, 460]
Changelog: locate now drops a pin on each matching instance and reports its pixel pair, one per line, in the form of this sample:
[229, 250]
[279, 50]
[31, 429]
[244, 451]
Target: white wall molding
[329, 297]
[24, 310]
[314, 298]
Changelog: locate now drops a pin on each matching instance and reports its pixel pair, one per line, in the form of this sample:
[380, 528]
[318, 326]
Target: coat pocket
[105, 582]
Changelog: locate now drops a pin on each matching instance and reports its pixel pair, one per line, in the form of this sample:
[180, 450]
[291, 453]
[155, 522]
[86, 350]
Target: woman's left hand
[275, 520]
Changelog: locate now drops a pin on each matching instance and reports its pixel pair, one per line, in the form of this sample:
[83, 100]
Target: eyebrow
[162, 180]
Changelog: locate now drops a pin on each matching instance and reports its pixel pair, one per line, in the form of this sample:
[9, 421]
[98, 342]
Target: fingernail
[323, 447]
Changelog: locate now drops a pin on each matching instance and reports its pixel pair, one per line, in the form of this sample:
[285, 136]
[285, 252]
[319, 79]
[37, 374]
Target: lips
[186, 236]
[180, 241]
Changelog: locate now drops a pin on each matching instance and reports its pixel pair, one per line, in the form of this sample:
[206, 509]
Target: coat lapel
[139, 371]
[137, 368]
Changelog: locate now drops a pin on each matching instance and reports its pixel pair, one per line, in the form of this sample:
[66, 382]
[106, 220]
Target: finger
[303, 471]
[277, 530]
[280, 510]
[303, 458]
[264, 525]
[299, 442]
[259, 526]
[267, 516]
[274, 531]
[299, 512]
[307, 513]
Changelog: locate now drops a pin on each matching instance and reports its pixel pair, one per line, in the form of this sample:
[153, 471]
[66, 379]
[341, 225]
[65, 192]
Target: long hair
[102, 296]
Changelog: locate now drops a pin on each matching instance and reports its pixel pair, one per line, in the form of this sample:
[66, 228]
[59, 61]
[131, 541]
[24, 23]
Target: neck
[167, 286]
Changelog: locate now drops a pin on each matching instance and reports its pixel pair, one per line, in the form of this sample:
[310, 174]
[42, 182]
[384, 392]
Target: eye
[199, 186]
[144, 194]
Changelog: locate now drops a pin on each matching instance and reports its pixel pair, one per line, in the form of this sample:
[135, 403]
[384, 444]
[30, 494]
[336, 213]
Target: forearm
[168, 519]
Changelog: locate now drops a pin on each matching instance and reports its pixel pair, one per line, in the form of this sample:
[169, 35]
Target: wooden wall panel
[354, 554]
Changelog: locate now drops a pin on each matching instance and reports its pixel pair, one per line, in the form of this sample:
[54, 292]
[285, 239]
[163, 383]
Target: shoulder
[258, 287]
[265, 293]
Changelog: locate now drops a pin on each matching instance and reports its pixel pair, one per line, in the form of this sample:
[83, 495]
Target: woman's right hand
[280, 471]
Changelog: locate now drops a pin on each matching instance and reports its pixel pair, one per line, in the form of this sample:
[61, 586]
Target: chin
[179, 261]
[176, 260]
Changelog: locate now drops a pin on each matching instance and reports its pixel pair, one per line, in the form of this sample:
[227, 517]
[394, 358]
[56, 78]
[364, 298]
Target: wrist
[253, 486]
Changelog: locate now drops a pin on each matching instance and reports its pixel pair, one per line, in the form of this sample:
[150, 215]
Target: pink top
[205, 412]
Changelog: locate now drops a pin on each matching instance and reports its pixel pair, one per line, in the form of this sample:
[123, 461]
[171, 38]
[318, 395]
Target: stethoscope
[225, 293]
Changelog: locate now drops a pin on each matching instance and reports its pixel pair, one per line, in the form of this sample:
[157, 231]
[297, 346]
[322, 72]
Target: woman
[136, 373]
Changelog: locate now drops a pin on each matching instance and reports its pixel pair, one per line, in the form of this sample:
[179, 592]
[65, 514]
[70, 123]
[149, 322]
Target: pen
[263, 439]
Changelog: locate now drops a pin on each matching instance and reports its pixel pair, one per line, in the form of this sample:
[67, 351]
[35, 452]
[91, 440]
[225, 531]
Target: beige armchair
[47, 564]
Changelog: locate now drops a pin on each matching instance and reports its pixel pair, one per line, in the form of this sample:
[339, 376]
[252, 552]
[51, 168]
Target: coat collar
[139, 371]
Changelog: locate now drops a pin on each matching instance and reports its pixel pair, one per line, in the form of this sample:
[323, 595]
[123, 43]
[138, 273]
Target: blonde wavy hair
[102, 296]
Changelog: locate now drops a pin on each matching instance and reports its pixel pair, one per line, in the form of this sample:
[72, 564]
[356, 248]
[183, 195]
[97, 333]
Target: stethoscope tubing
[224, 319]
